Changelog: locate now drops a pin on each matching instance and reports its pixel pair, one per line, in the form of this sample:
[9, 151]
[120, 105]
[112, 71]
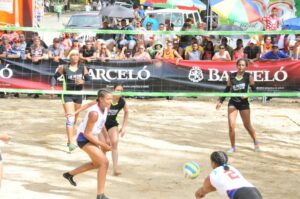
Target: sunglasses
[222, 48]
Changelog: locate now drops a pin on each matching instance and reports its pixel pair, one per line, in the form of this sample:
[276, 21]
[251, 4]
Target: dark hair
[220, 158]
[242, 59]
[116, 85]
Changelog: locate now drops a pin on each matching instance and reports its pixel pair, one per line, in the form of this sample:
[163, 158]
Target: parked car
[127, 5]
[85, 21]
[176, 16]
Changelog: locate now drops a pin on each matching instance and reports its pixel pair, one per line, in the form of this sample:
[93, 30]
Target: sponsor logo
[196, 74]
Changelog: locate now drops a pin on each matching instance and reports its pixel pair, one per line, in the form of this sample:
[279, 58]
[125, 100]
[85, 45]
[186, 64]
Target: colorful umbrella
[180, 4]
[243, 11]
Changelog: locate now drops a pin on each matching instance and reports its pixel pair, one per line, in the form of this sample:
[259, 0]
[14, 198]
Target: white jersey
[225, 181]
[99, 123]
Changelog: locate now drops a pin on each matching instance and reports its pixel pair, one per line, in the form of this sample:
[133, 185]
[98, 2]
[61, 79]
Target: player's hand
[70, 114]
[79, 81]
[105, 147]
[108, 142]
[122, 132]
[199, 194]
[218, 106]
[5, 138]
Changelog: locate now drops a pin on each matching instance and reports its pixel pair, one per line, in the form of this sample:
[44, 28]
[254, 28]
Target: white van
[176, 16]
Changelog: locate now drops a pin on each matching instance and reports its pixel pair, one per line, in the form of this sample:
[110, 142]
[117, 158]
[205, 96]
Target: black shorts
[247, 193]
[73, 98]
[242, 105]
[81, 144]
[110, 124]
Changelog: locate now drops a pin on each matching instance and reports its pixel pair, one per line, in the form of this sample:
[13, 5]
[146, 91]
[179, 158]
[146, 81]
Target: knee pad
[70, 121]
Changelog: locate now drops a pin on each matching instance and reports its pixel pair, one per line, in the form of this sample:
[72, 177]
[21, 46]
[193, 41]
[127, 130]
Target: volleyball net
[156, 78]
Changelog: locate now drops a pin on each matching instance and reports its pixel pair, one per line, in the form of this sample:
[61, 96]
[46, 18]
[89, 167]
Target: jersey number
[231, 174]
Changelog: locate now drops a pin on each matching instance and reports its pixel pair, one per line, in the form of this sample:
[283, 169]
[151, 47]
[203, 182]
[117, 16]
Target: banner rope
[158, 94]
[138, 32]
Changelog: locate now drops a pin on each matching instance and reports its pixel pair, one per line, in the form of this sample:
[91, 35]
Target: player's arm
[82, 108]
[252, 84]
[226, 90]
[93, 117]
[59, 71]
[125, 120]
[205, 189]
[106, 136]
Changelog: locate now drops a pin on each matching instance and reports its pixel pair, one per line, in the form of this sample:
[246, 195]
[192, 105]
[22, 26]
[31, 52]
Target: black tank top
[115, 109]
[239, 85]
[71, 76]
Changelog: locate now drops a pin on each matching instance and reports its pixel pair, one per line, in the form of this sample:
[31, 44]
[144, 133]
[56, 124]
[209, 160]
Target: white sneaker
[231, 150]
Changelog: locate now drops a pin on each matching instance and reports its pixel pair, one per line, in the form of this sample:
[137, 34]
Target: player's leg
[232, 115]
[69, 107]
[102, 171]
[114, 139]
[98, 160]
[245, 115]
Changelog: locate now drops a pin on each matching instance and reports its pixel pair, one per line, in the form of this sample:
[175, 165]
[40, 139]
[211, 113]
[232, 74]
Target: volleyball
[191, 170]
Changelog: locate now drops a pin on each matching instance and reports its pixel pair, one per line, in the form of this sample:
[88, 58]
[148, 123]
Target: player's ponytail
[220, 158]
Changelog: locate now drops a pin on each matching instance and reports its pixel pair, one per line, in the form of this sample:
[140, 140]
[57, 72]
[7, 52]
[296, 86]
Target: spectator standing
[238, 52]
[224, 42]
[169, 53]
[151, 19]
[37, 52]
[155, 49]
[3, 51]
[66, 41]
[30, 43]
[195, 53]
[275, 54]
[252, 52]
[16, 51]
[87, 52]
[5, 43]
[107, 38]
[296, 48]
[141, 54]
[267, 45]
[127, 39]
[56, 51]
[141, 12]
[222, 54]
[208, 51]
[58, 8]
[162, 38]
[22, 41]
[190, 47]
[104, 53]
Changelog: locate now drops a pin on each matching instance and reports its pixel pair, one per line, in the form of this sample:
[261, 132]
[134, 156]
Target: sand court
[160, 137]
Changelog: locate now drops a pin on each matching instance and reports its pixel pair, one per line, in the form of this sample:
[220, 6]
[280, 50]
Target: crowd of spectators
[147, 45]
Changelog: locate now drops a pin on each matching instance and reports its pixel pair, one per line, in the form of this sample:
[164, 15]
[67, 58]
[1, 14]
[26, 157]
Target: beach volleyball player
[239, 82]
[111, 124]
[92, 139]
[75, 76]
[226, 180]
